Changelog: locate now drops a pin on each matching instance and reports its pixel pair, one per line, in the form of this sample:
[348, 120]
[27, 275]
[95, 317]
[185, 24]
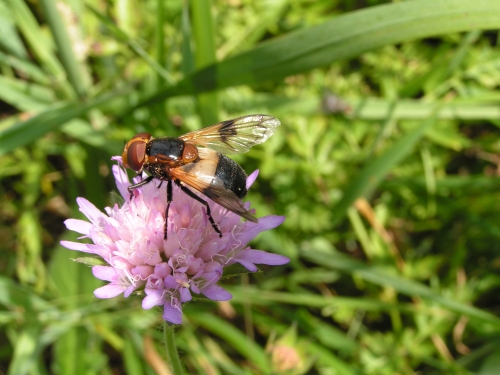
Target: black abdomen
[232, 175]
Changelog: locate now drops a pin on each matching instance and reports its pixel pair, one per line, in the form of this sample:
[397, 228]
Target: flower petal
[76, 246]
[251, 178]
[245, 263]
[105, 273]
[122, 181]
[216, 293]
[170, 282]
[89, 210]
[262, 257]
[130, 289]
[270, 222]
[78, 226]
[172, 314]
[185, 295]
[108, 291]
[253, 229]
[153, 298]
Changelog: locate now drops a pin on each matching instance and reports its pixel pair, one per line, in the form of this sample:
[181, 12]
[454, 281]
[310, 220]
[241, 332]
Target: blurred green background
[386, 167]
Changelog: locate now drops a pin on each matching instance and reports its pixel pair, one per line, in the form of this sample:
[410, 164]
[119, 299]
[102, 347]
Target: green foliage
[386, 167]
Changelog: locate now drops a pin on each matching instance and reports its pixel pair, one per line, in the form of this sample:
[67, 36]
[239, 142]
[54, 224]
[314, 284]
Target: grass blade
[372, 173]
[39, 44]
[237, 339]
[10, 40]
[122, 36]
[22, 133]
[24, 95]
[338, 39]
[204, 37]
[401, 285]
[73, 68]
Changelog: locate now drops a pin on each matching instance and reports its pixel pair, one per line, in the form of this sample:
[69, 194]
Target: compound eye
[136, 155]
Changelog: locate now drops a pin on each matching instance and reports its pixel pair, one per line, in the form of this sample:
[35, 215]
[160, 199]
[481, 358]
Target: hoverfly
[196, 160]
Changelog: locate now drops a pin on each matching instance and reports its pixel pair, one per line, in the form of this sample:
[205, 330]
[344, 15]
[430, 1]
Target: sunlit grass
[386, 166]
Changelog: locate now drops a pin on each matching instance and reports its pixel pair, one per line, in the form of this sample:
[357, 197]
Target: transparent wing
[200, 176]
[234, 136]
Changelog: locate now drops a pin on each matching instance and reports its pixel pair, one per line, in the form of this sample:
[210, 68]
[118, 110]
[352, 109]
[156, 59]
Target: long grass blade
[204, 37]
[372, 173]
[74, 70]
[22, 133]
[343, 37]
[401, 285]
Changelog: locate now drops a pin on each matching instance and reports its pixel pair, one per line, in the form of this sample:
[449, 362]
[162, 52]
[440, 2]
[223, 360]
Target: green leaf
[40, 45]
[204, 37]
[188, 63]
[25, 96]
[235, 270]
[13, 295]
[266, 297]
[22, 133]
[10, 40]
[25, 68]
[90, 261]
[122, 36]
[247, 348]
[330, 360]
[372, 173]
[27, 348]
[75, 71]
[343, 37]
[461, 108]
[83, 131]
[132, 358]
[399, 284]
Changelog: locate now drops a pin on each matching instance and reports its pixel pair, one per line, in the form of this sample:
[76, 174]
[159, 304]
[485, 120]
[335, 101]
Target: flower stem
[171, 349]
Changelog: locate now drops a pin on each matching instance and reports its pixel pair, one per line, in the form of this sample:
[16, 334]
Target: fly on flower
[196, 160]
[128, 239]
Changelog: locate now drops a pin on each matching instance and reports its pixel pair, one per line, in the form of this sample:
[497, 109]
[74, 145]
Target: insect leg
[205, 203]
[169, 200]
[147, 180]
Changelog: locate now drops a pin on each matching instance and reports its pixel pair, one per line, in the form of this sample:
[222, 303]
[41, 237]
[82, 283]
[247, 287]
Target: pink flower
[130, 240]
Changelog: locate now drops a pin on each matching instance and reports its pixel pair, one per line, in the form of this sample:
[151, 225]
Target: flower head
[130, 240]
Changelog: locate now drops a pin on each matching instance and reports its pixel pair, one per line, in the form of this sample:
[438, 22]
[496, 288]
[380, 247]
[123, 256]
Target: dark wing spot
[227, 130]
